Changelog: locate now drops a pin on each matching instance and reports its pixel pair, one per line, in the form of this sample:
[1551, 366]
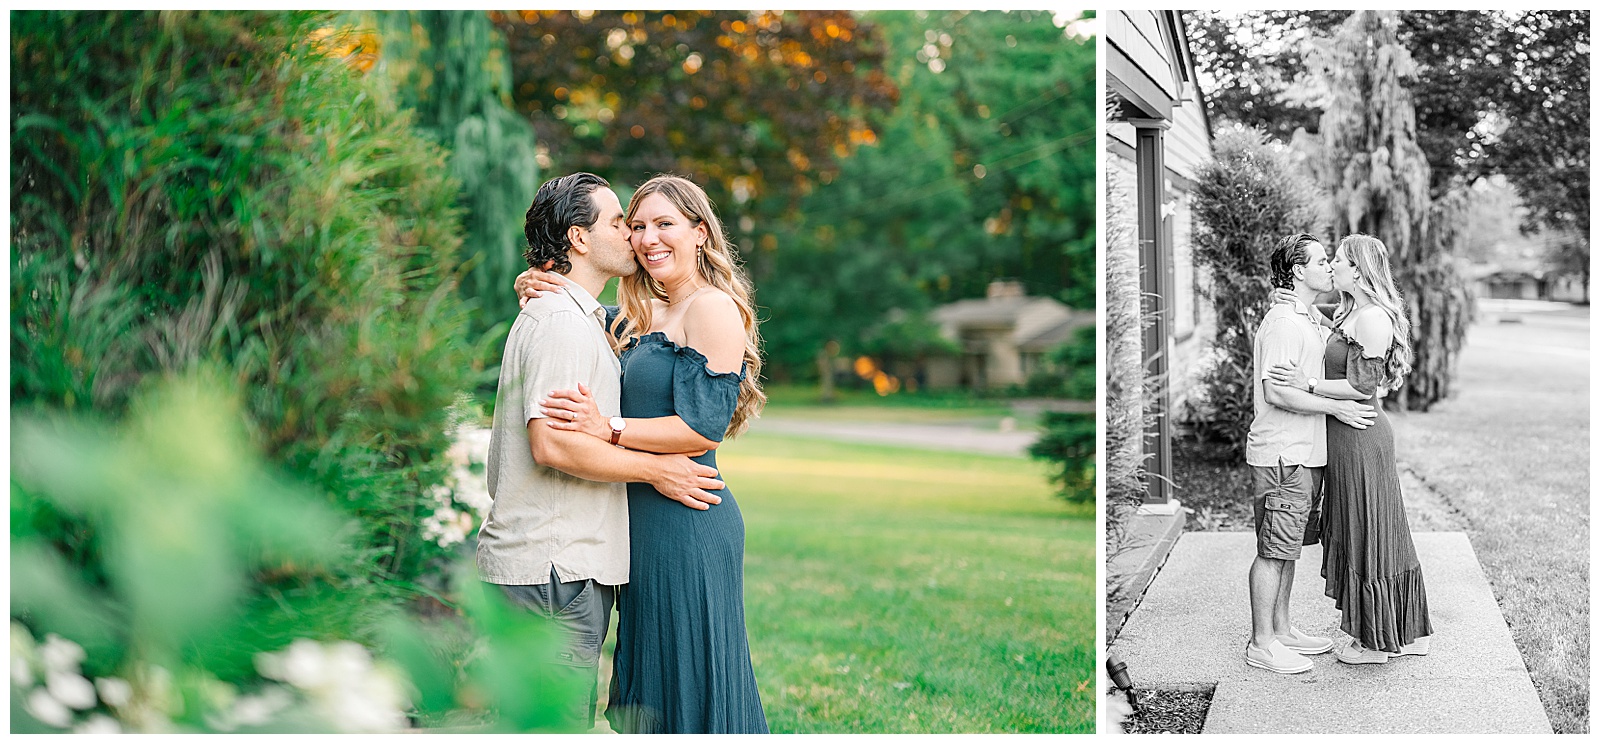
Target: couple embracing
[591, 398]
[1322, 458]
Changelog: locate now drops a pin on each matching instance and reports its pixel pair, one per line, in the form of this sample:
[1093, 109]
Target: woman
[686, 330]
[1368, 561]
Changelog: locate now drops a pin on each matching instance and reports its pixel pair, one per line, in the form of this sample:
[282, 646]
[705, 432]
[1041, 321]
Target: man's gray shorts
[1288, 509]
[582, 609]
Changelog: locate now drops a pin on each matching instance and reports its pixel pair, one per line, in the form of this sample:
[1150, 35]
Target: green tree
[451, 67]
[1068, 440]
[1544, 150]
[1493, 92]
[1367, 158]
[975, 175]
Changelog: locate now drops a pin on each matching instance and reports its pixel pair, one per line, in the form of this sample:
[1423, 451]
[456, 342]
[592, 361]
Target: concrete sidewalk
[1190, 630]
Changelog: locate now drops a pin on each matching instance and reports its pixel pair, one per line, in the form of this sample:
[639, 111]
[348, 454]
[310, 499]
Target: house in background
[1003, 337]
[1510, 285]
[1157, 137]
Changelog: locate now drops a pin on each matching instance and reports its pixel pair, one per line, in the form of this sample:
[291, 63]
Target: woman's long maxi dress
[682, 663]
[1369, 561]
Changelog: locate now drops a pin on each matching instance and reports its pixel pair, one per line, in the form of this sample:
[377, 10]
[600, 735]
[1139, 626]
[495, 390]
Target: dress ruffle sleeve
[705, 400]
[1364, 373]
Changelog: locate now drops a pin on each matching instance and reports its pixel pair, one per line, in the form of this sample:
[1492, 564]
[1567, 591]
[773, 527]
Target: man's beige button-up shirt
[542, 518]
[1287, 335]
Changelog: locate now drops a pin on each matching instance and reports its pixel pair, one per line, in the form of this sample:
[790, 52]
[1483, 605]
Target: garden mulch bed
[1169, 712]
[1217, 493]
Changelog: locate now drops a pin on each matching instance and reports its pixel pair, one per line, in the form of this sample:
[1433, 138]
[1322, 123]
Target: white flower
[21, 674]
[441, 493]
[98, 723]
[257, 710]
[341, 683]
[22, 654]
[305, 665]
[252, 710]
[46, 709]
[446, 526]
[60, 654]
[347, 660]
[373, 701]
[73, 691]
[475, 497]
[113, 691]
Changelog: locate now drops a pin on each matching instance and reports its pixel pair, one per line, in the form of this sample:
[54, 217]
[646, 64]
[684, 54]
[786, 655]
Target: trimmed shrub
[1248, 197]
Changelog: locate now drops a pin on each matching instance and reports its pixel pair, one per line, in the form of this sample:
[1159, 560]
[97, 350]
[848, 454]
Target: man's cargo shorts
[1288, 509]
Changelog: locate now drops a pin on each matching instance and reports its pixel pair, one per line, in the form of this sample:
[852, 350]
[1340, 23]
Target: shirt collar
[586, 303]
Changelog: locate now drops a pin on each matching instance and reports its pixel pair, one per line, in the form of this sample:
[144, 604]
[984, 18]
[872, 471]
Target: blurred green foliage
[190, 554]
[452, 69]
[982, 170]
[1069, 369]
[1068, 441]
[222, 187]
[179, 551]
[868, 165]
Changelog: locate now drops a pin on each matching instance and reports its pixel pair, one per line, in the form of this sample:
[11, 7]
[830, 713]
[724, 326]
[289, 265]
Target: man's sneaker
[1298, 641]
[1352, 653]
[1418, 647]
[1275, 658]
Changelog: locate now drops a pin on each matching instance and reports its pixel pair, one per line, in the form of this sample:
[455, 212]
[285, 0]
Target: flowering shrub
[320, 687]
[211, 598]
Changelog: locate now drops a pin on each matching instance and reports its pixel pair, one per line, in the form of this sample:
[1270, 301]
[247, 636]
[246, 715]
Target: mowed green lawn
[897, 590]
[1510, 452]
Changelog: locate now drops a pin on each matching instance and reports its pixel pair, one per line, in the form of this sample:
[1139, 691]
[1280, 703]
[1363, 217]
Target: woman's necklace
[674, 303]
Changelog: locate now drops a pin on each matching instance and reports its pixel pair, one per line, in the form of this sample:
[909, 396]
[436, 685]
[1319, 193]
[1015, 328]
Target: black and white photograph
[1346, 371]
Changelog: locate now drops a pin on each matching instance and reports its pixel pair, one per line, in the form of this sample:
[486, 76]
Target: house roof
[1056, 334]
[992, 311]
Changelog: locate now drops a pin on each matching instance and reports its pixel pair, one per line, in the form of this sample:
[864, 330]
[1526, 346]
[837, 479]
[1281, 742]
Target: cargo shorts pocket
[1283, 506]
[582, 649]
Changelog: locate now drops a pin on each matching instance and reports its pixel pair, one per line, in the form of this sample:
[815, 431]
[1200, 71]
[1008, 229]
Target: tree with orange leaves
[747, 103]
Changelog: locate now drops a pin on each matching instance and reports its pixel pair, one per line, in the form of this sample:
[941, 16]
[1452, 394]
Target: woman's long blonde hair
[1371, 260]
[718, 266]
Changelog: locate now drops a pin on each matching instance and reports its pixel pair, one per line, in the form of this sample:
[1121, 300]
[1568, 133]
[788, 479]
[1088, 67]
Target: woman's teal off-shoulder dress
[1368, 559]
[682, 663]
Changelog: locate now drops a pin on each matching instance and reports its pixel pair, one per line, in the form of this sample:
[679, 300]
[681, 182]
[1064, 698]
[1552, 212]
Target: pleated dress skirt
[1369, 561]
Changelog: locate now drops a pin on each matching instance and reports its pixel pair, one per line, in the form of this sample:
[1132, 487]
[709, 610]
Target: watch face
[618, 423]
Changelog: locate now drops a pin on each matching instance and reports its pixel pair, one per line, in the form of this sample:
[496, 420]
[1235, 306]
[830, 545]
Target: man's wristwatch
[618, 423]
[1311, 387]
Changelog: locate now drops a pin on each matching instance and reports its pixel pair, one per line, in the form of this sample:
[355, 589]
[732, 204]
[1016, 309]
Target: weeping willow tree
[451, 68]
[1366, 157]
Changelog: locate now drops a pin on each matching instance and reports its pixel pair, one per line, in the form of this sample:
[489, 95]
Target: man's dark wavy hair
[560, 204]
[1291, 252]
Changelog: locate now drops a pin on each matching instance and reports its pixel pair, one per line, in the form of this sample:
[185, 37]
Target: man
[556, 538]
[1286, 450]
